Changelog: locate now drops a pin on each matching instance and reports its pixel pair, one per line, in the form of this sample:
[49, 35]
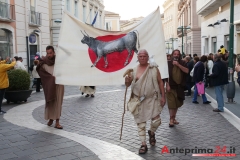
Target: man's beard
[51, 58]
[176, 58]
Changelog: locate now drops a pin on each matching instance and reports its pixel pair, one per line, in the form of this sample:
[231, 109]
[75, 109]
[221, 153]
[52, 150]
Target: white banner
[87, 56]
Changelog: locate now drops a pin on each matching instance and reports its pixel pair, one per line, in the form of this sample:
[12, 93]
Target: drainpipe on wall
[26, 29]
[27, 54]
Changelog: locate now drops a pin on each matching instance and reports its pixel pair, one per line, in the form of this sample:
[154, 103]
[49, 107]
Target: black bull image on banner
[102, 49]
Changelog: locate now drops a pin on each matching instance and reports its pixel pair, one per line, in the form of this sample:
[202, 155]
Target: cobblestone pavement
[100, 118]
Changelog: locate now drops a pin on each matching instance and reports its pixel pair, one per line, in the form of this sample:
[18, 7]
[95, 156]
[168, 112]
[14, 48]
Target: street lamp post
[168, 46]
[173, 39]
[231, 84]
[182, 29]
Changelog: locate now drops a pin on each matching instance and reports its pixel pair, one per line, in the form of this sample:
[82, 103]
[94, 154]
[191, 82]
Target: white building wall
[23, 29]
[58, 6]
[219, 31]
[170, 23]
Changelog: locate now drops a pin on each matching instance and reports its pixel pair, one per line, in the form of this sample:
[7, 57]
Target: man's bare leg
[156, 122]
[153, 128]
[171, 113]
[142, 135]
[174, 120]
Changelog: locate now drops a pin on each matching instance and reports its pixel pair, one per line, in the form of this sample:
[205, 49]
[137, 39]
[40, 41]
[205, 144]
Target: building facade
[127, 24]
[24, 28]
[215, 16]
[170, 24]
[112, 21]
[188, 18]
[84, 10]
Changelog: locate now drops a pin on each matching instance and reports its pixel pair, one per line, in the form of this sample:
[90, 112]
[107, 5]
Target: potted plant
[19, 84]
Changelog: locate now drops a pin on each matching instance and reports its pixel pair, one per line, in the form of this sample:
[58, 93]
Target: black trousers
[208, 81]
[189, 85]
[38, 84]
[2, 92]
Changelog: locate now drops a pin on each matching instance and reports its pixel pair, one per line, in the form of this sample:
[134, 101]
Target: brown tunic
[150, 107]
[176, 96]
[53, 108]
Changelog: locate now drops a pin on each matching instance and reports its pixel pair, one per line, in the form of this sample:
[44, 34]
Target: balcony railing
[7, 12]
[35, 18]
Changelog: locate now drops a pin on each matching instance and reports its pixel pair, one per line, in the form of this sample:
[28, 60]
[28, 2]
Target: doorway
[33, 51]
[33, 47]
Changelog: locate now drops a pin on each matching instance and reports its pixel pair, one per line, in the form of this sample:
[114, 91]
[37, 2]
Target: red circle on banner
[115, 60]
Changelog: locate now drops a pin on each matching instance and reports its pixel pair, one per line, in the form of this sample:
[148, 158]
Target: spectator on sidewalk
[189, 83]
[175, 85]
[168, 57]
[36, 76]
[225, 58]
[211, 55]
[219, 79]
[209, 67]
[4, 82]
[237, 69]
[195, 55]
[53, 92]
[222, 50]
[199, 77]
[190, 56]
[195, 61]
[19, 64]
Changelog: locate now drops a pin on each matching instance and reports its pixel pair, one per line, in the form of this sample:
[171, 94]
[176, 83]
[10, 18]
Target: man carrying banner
[147, 87]
[53, 92]
[175, 85]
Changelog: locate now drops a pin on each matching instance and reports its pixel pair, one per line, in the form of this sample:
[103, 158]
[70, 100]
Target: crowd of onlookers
[19, 65]
[209, 71]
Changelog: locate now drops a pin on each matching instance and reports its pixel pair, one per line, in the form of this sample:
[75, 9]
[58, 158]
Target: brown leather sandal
[175, 121]
[143, 149]
[171, 124]
[50, 122]
[58, 126]
[152, 139]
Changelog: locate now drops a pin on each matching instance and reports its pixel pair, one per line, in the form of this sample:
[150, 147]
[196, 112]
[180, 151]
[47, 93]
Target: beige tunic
[150, 107]
[53, 109]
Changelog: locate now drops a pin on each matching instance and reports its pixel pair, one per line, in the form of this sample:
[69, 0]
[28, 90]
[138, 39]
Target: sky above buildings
[128, 9]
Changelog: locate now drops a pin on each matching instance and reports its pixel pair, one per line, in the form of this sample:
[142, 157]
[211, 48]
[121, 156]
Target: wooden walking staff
[127, 73]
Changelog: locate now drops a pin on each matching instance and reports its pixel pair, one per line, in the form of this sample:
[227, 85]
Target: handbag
[200, 88]
[132, 105]
[134, 102]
